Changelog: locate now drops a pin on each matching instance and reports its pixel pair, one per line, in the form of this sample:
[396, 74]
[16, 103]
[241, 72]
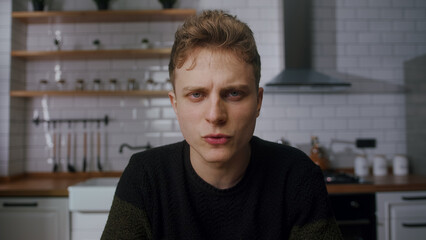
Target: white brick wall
[366, 42]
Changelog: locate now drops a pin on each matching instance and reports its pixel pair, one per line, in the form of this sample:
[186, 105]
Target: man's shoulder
[166, 154]
[274, 150]
[283, 158]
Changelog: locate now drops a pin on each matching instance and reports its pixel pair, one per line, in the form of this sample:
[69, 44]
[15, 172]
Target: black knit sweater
[281, 196]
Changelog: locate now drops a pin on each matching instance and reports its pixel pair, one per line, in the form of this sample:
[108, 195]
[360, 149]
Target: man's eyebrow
[194, 88]
[243, 87]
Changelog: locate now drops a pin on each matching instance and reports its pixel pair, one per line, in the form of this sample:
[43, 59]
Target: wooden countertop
[56, 184]
[45, 184]
[388, 183]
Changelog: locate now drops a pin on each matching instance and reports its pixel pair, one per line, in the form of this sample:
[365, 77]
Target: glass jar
[79, 86]
[150, 84]
[131, 84]
[61, 84]
[96, 84]
[43, 85]
[113, 84]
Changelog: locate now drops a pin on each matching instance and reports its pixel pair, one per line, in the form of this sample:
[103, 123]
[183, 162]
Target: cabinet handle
[413, 198]
[414, 225]
[16, 204]
[353, 222]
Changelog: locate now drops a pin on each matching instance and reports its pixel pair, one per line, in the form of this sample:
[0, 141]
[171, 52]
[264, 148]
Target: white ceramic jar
[400, 165]
[379, 165]
[361, 167]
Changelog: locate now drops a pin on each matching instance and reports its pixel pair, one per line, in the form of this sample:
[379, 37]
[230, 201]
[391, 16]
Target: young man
[221, 182]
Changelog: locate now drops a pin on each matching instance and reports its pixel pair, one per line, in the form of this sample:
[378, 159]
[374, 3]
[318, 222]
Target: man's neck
[221, 175]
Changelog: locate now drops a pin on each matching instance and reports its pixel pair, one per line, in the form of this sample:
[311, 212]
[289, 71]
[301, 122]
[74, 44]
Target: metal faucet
[147, 146]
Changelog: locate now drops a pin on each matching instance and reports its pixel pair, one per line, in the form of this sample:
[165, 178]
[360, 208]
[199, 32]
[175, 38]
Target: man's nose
[216, 112]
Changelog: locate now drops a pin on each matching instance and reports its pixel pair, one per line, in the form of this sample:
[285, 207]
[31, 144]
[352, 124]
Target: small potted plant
[38, 5]
[97, 44]
[102, 4]
[167, 3]
[145, 43]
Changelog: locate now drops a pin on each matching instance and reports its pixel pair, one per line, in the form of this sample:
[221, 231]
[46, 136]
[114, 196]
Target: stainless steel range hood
[298, 76]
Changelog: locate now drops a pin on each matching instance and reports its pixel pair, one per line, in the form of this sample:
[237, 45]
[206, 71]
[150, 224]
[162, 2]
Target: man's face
[216, 103]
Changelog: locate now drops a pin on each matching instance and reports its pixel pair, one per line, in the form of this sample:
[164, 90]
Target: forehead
[222, 62]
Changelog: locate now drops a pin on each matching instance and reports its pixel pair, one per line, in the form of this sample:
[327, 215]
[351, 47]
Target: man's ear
[172, 97]
[259, 100]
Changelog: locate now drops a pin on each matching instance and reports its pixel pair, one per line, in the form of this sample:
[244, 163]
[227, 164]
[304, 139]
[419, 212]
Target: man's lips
[217, 139]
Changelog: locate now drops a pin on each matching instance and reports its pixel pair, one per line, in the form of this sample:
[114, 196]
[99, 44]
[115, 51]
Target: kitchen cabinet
[401, 215]
[96, 17]
[88, 225]
[34, 218]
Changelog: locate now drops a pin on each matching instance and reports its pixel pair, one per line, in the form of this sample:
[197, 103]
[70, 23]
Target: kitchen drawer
[408, 228]
[401, 215]
[34, 218]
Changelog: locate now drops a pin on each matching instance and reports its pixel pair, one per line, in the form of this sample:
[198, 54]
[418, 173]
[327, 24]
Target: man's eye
[234, 93]
[196, 95]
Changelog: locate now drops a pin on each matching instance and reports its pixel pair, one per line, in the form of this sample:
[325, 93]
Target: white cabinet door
[401, 215]
[88, 225]
[34, 218]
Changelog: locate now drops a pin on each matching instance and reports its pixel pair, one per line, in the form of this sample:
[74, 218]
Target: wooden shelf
[93, 54]
[140, 93]
[103, 16]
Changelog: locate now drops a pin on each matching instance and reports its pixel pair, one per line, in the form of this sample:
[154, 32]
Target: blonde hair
[216, 30]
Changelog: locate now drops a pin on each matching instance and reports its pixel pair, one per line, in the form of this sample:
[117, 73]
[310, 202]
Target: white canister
[361, 166]
[400, 165]
[379, 165]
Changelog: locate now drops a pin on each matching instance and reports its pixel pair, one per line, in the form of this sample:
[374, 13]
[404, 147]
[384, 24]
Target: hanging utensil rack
[38, 120]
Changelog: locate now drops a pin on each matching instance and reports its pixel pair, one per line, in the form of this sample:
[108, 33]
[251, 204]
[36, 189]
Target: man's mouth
[217, 139]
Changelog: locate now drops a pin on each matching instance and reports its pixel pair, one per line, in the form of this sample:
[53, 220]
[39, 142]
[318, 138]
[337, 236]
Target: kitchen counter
[45, 184]
[56, 184]
[388, 183]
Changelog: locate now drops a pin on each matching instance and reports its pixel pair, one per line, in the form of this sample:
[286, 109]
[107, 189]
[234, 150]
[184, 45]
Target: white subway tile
[298, 112]
[384, 123]
[264, 124]
[335, 99]
[323, 112]
[359, 99]
[311, 99]
[286, 124]
[360, 123]
[369, 37]
[389, 13]
[273, 112]
[161, 125]
[347, 111]
[414, 14]
[160, 102]
[311, 124]
[371, 111]
[335, 124]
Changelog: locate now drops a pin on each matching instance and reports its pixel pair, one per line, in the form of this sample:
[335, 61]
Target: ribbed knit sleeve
[311, 213]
